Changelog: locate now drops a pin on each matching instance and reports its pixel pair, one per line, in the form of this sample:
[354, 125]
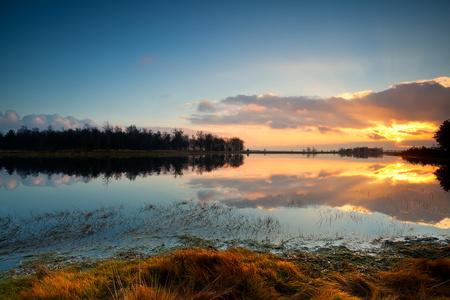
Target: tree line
[114, 138]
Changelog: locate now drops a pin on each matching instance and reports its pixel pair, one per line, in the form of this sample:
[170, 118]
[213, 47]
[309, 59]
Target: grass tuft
[423, 277]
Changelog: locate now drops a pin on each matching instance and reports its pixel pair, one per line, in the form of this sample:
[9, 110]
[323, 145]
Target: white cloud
[12, 120]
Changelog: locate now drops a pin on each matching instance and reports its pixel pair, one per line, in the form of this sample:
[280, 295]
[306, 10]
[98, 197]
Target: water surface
[96, 208]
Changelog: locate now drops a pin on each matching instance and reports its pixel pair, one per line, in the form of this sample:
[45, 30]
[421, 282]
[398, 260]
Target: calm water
[98, 208]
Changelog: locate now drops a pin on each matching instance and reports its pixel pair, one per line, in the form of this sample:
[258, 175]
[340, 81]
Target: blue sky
[150, 63]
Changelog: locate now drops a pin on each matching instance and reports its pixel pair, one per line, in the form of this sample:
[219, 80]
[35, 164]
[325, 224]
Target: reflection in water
[404, 173]
[442, 173]
[288, 200]
[404, 191]
[87, 169]
[10, 182]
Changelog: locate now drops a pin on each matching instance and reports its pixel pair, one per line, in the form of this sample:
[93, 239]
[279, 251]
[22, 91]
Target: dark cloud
[11, 120]
[325, 129]
[376, 136]
[206, 106]
[281, 125]
[426, 101]
[416, 132]
[375, 167]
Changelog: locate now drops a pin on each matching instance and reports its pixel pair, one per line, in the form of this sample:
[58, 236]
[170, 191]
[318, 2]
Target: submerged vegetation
[237, 273]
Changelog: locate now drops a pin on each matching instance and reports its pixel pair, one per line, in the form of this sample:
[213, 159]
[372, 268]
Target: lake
[74, 209]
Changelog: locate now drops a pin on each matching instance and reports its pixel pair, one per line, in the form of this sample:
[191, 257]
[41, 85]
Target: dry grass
[232, 274]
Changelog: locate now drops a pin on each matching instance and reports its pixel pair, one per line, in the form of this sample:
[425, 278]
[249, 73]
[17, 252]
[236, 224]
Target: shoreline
[411, 267]
[163, 153]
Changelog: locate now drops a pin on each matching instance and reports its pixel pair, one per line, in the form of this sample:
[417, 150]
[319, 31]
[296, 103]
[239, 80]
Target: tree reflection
[442, 173]
[131, 168]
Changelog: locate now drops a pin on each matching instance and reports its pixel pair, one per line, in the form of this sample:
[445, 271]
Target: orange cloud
[405, 111]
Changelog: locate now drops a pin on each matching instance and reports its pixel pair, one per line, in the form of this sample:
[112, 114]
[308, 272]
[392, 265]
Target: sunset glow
[212, 70]
[407, 131]
[142, 127]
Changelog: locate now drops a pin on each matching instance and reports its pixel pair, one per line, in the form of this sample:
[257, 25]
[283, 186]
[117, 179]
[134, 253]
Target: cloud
[12, 120]
[206, 106]
[350, 96]
[325, 129]
[146, 59]
[424, 101]
[417, 132]
[376, 136]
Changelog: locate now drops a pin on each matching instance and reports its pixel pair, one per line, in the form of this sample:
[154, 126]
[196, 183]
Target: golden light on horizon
[264, 137]
[401, 132]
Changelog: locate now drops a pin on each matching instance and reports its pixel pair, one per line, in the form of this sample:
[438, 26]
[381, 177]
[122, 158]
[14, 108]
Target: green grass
[243, 274]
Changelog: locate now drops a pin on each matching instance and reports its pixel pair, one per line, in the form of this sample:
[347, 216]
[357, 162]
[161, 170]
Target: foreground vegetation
[401, 271]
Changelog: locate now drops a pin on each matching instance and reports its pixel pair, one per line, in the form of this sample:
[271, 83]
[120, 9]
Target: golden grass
[232, 274]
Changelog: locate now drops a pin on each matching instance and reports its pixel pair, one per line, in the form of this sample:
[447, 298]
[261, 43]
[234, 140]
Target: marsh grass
[237, 274]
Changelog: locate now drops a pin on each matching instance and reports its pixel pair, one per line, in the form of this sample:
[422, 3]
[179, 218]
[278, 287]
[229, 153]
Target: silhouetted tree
[442, 136]
[179, 140]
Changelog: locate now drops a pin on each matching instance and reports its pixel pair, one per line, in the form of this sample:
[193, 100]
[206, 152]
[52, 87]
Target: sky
[278, 74]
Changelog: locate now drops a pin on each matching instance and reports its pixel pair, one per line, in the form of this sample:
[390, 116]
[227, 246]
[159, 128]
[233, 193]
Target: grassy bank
[401, 271]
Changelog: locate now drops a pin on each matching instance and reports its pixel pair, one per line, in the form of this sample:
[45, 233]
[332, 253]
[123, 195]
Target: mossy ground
[413, 270]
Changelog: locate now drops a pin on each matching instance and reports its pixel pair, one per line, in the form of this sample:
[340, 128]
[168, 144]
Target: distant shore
[157, 153]
[108, 153]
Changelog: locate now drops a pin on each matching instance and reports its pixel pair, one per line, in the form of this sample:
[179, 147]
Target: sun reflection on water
[396, 172]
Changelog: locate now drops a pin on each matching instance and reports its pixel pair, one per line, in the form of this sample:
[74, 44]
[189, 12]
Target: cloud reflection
[390, 186]
[11, 182]
[403, 191]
